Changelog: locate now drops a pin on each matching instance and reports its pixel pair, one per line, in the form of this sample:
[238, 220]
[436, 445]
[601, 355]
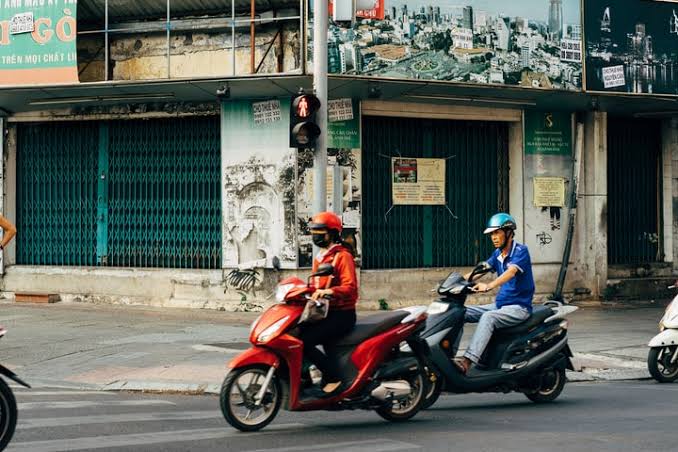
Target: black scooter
[530, 358]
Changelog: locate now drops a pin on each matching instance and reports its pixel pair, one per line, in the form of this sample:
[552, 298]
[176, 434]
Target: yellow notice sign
[418, 181]
[549, 191]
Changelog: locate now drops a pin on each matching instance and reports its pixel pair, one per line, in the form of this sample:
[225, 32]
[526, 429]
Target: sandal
[462, 364]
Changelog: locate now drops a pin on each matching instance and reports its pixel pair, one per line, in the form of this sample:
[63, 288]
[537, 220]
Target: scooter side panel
[666, 337]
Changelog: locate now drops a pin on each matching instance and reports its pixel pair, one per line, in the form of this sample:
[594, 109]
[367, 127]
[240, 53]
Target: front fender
[253, 356]
[666, 337]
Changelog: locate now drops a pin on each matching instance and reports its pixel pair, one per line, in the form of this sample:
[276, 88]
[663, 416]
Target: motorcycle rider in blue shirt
[513, 304]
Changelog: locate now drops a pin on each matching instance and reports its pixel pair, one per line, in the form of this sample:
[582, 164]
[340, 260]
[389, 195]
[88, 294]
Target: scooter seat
[539, 314]
[371, 325]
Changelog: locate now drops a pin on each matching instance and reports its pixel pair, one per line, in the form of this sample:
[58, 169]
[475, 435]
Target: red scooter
[377, 377]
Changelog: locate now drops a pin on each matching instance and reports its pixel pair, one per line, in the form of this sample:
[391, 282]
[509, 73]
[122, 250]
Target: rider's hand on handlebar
[481, 287]
[322, 293]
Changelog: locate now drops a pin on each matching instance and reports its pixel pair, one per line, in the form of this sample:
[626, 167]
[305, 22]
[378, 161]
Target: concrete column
[10, 207]
[516, 187]
[591, 239]
[670, 176]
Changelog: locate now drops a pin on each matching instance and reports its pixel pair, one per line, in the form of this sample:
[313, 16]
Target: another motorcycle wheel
[551, 384]
[436, 385]
[238, 398]
[660, 366]
[8, 414]
[404, 409]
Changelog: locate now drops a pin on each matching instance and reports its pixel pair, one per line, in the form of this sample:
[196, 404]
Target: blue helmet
[500, 221]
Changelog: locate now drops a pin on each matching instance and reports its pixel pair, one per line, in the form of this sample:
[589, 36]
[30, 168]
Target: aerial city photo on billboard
[632, 46]
[530, 43]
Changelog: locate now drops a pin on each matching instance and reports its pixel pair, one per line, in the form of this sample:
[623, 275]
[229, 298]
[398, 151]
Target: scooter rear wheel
[660, 366]
[8, 414]
[238, 403]
[551, 385]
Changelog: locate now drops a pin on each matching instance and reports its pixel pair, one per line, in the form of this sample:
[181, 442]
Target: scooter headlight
[254, 323]
[268, 333]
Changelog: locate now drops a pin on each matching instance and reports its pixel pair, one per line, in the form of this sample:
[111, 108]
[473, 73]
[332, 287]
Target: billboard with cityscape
[531, 43]
[632, 46]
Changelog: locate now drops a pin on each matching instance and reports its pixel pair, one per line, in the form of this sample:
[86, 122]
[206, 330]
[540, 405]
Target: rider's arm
[347, 284]
[9, 231]
[503, 279]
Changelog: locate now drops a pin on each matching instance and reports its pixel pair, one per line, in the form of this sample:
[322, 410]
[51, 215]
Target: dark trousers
[336, 325]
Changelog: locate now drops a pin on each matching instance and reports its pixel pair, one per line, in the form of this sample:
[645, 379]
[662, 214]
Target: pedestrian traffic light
[303, 127]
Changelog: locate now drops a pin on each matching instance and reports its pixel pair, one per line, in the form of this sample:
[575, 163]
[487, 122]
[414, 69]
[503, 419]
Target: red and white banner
[365, 9]
[376, 12]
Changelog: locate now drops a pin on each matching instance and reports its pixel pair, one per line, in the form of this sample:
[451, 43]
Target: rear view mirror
[324, 270]
[483, 267]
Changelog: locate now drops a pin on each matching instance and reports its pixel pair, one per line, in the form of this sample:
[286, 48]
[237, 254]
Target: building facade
[158, 170]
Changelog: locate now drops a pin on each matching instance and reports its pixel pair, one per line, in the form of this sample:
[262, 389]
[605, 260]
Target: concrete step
[649, 288]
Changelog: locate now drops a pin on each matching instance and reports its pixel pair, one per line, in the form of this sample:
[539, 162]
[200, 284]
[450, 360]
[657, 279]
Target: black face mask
[320, 240]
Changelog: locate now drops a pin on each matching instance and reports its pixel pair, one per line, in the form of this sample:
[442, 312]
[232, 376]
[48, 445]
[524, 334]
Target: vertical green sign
[548, 133]
[343, 133]
[38, 42]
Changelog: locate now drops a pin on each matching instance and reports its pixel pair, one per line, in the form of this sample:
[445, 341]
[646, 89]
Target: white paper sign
[613, 76]
[340, 110]
[266, 112]
[21, 23]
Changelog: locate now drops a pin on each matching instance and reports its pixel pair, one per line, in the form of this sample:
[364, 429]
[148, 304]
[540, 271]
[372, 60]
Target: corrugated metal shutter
[634, 191]
[147, 193]
[56, 193]
[428, 236]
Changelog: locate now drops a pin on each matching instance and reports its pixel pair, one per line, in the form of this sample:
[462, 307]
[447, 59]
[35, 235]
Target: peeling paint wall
[259, 172]
[192, 54]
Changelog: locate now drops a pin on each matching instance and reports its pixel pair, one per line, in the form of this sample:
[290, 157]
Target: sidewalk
[109, 347]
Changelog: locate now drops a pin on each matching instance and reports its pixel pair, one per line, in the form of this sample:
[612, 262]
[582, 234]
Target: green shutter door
[121, 193]
[634, 191]
[428, 236]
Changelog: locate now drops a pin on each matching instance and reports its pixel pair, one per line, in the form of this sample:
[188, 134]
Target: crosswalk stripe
[26, 393]
[51, 405]
[369, 445]
[141, 439]
[114, 419]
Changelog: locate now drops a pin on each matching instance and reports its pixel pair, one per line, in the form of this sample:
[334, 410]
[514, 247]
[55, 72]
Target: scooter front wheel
[404, 409]
[660, 366]
[239, 402]
[8, 414]
[436, 385]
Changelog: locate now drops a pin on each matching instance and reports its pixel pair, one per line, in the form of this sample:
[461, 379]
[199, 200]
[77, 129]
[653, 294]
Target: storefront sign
[21, 23]
[266, 112]
[343, 127]
[418, 181]
[613, 76]
[631, 46]
[548, 133]
[38, 42]
[340, 110]
[549, 192]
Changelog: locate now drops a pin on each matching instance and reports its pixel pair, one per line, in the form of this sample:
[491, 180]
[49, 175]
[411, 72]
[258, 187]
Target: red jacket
[343, 283]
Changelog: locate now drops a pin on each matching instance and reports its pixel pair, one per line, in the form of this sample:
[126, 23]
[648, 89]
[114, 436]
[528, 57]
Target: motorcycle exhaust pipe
[389, 390]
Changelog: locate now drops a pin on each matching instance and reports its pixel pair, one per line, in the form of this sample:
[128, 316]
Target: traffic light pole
[320, 27]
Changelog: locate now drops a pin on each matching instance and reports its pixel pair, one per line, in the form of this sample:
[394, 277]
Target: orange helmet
[326, 220]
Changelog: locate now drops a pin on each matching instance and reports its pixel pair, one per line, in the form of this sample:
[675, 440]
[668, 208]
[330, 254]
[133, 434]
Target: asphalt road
[618, 416]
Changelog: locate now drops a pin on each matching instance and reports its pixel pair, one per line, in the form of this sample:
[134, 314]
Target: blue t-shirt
[519, 289]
